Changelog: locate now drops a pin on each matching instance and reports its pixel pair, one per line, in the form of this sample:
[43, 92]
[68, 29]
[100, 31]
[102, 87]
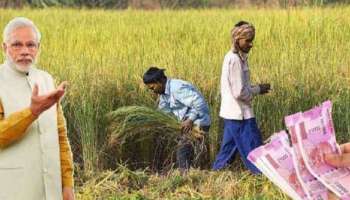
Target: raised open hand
[43, 102]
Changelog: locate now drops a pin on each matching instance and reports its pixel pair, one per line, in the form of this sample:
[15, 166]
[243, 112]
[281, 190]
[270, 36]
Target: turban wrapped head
[241, 31]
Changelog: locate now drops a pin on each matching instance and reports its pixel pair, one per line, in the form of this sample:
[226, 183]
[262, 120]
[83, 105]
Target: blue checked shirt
[184, 101]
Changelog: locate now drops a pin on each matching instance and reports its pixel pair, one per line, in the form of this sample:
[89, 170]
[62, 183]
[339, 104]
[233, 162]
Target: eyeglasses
[19, 45]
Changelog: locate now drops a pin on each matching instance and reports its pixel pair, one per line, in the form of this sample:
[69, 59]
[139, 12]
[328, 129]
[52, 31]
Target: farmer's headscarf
[153, 75]
[241, 30]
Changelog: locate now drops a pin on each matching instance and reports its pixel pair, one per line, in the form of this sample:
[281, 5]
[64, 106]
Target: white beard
[19, 68]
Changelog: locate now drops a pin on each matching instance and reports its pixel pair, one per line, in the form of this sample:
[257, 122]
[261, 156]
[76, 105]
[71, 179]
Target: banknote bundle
[295, 161]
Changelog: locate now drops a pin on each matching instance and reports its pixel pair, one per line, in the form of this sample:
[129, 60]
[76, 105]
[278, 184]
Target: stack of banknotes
[295, 161]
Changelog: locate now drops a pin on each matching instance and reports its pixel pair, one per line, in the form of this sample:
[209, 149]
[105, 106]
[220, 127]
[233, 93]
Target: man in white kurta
[241, 132]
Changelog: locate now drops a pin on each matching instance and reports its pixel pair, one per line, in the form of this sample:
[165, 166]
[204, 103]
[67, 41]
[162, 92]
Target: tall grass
[303, 53]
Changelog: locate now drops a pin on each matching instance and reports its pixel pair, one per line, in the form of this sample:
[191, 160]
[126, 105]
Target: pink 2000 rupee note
[257, 158]
[312, 186]
[316, 137]
[277, 158]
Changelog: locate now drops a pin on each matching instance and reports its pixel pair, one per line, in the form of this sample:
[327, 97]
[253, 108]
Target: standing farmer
[183, 100]
[240, 128]
[35, 155]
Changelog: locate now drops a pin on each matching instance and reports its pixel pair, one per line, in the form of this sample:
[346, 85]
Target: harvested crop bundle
[156, 132]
